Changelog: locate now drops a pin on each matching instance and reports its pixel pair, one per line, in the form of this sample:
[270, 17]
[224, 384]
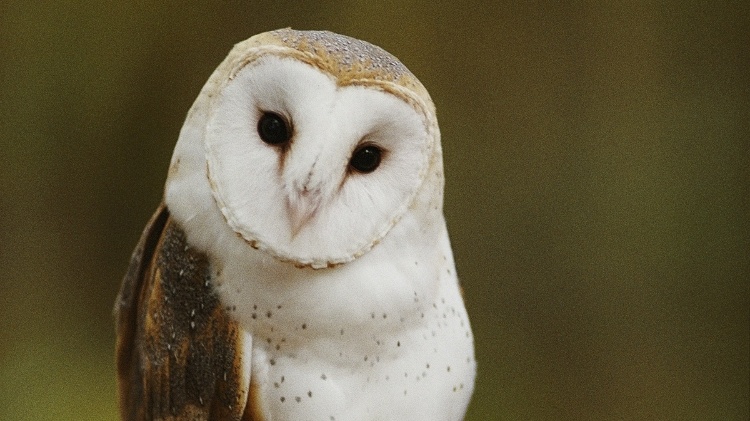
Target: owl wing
[179, 354]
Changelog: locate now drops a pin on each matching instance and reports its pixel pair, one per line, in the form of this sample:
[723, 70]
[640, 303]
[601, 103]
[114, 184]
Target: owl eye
[273, 129]
[366, 158]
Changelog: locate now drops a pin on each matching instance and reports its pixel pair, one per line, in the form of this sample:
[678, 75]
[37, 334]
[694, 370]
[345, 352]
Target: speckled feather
[179, 354]
[348, 58]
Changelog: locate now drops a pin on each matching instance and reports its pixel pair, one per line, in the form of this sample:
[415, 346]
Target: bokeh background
[598, 174]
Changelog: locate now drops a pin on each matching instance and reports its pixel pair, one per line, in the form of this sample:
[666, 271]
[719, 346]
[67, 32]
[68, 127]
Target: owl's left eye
[366, 158]
[273, 128]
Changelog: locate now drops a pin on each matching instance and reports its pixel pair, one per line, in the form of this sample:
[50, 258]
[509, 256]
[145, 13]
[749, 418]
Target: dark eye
[273, 129]
[366, 158]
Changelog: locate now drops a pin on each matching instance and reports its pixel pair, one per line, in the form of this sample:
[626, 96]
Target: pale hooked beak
[302, 207]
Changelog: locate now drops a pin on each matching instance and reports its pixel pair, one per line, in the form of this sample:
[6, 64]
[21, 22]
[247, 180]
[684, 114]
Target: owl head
[309, 146]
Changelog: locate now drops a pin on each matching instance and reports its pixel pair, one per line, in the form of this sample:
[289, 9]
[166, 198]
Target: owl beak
[301, 208]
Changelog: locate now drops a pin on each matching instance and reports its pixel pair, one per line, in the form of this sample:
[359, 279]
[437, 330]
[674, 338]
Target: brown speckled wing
[179, 354]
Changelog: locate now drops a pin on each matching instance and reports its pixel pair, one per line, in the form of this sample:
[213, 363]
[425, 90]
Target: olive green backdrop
[598, 167]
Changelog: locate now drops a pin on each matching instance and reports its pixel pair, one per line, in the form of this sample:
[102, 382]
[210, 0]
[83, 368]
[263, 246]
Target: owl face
[311, 154]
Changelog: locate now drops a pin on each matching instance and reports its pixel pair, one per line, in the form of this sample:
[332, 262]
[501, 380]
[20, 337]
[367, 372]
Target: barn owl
[299, 266]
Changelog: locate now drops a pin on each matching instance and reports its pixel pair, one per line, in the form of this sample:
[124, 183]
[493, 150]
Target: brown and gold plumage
[179, 354]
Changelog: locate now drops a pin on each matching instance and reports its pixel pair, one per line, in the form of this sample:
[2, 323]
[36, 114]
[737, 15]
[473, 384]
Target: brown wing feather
[179, 354]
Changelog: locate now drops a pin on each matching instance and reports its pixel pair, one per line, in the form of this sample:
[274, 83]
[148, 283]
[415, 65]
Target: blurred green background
[598, 174]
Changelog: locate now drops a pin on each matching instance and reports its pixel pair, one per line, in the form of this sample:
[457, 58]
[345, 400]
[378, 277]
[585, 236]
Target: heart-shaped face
[313, 153]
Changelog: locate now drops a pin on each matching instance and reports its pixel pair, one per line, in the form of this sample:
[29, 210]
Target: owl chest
[377, 369]
[391, 379]
[355, 343]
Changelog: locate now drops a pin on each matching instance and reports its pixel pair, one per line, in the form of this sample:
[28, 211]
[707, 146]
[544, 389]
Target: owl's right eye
[273, 129]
